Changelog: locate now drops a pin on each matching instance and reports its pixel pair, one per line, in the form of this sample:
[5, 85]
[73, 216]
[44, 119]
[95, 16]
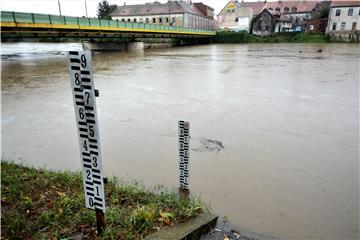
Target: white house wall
[344, 18]
[139, 19]
[282, 25]
[182, 20]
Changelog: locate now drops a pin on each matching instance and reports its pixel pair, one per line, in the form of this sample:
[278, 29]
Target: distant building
[172, 13]
[344, 21]
[234, 17]
[299, 12]
[269, 22]
[319, 18]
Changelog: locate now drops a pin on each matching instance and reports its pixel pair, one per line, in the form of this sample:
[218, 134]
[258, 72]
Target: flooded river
[285, 114]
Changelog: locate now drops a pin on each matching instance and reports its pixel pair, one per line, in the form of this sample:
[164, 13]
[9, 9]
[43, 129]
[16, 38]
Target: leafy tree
[104, 9]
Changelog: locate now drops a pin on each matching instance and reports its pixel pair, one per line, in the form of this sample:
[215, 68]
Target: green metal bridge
[30, 25]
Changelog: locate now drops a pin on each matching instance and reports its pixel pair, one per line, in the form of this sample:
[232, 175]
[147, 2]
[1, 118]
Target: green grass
[40, 204]
[291, 37]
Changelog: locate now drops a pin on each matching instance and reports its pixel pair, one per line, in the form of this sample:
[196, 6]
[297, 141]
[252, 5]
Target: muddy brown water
[286, 117]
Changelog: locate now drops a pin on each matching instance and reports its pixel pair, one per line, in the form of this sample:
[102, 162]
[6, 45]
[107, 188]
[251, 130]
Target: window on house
[236, 19]
[286, 10]
[147, 20]
[167, 19]
[277, 9]
[123, 20]
[160, 20]
[233, 10]
[353, 26]
[338, 12]
[343, 25]
[334, 26]
[293, 9]
[141, 20]
[129, 20]
[173, 20]
[154, 20]
[135, 20]
[350, 12]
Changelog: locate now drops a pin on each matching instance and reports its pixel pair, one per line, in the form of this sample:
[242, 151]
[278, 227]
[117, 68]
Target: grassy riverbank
[245, 37]
[40, 204]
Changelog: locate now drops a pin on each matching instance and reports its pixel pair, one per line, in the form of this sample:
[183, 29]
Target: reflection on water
[12, 52]
[285, 115]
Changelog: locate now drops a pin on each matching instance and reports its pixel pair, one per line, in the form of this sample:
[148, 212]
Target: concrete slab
[190, 230]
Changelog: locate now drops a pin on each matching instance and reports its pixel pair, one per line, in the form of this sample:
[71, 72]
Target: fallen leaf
[50, 204]
[167, 221]
[61, 194]
[166, 214]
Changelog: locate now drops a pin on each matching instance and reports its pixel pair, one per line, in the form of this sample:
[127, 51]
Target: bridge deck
[16, 21]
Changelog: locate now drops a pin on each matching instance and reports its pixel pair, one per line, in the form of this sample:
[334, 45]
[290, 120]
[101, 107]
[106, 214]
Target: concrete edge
[190, 230]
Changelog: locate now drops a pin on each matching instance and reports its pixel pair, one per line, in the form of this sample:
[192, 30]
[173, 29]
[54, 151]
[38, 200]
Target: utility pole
[86, 9]
[59, 7]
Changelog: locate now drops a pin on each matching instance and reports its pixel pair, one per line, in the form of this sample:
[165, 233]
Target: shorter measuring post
[184, 141]
[84, 93]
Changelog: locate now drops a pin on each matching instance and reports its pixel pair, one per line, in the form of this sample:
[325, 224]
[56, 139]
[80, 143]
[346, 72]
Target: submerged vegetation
[41, 204]
[291, 37]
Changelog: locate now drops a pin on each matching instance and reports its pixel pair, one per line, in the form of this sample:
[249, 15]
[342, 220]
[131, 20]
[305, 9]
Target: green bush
[285, 37]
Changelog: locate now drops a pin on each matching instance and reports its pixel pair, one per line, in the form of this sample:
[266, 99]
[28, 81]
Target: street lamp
[59, 7]
[86, 10]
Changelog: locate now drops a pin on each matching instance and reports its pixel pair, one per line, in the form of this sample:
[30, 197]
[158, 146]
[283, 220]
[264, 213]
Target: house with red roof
[173, 13]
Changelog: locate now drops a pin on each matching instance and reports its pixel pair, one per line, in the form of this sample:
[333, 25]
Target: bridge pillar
[113, 46]
[104, 46]
[135, 46]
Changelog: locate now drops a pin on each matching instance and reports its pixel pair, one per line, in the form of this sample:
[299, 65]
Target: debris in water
[209, 145]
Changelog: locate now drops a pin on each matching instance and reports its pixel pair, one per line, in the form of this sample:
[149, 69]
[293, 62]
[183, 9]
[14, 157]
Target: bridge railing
[22, 17]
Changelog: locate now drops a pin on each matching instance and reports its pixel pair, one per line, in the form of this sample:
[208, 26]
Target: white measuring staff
[82, 85]
[184, 140]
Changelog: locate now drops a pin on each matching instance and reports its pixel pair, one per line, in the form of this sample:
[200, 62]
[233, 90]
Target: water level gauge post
[184, 141]
[84, 93]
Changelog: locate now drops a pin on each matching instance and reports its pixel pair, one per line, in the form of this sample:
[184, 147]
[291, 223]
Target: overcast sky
[77, 7]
